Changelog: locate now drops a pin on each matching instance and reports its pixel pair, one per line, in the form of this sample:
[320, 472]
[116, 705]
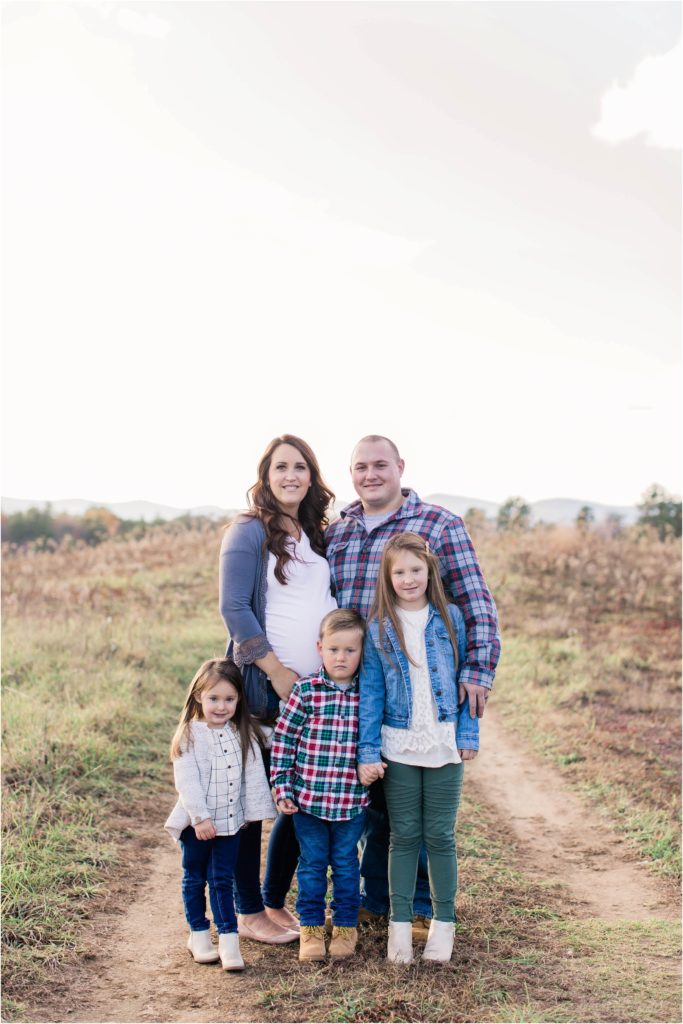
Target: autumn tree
[585, 517]
[513, 514]
[475, 519]
[661, 511]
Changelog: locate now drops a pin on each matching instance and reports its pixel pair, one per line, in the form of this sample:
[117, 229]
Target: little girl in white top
[222, 785]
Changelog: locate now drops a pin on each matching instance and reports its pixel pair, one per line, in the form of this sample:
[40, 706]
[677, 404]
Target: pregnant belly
[293, 634]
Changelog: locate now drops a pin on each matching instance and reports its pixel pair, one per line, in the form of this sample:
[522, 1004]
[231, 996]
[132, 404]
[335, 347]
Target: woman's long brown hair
[312, 510]
[384, 605]
[206, 676]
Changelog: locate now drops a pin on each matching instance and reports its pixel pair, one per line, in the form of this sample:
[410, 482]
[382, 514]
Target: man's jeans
[209, 861]
[323, 843]
[374, 862]
[283, 854]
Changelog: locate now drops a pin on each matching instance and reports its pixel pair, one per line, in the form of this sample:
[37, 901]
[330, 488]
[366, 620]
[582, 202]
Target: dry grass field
[99, 644]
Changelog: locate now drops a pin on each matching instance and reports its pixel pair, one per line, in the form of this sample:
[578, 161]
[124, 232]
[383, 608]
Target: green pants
[422, 805]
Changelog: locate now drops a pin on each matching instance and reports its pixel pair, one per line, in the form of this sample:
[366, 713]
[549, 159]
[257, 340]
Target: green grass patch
[89, 706]
[99, 649]
[554, 697]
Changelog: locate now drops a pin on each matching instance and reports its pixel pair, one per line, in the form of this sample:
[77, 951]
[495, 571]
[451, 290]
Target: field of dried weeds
[592, 643]
[99, 644]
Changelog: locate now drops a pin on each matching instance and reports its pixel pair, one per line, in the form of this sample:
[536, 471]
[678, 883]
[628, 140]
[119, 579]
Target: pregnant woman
[274, 592]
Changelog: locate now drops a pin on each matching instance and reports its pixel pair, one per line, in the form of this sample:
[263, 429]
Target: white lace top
[428, 742]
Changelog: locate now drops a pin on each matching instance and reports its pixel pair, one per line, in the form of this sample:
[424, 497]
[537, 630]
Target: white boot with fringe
[439, 945]
[400, 942]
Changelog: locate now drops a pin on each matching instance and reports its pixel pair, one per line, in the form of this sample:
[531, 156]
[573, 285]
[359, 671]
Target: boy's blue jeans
[209, 861]
[333, 843]
[374, 863]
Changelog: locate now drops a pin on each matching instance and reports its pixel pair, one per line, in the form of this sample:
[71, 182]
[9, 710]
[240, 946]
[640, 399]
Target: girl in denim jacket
[415, 733]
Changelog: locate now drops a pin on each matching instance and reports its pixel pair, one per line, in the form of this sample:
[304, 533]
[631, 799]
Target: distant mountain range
[549, 510]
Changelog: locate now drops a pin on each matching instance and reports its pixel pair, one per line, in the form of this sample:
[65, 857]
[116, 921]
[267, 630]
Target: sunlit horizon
[457, 225]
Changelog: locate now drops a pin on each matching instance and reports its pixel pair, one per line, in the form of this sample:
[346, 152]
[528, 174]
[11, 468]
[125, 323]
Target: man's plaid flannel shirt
[354, 557]
[313, 757]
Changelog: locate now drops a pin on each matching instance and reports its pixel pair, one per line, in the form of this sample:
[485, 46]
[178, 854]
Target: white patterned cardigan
[195, 779]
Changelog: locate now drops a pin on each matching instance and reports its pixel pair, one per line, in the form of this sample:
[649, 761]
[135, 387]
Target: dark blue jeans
[209, 861]
[335, 844]
[374, 862]
[283, 854]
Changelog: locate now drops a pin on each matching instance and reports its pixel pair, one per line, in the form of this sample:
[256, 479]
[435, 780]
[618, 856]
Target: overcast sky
[457, 224]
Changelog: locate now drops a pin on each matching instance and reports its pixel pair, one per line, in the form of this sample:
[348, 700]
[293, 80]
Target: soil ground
[135, 967]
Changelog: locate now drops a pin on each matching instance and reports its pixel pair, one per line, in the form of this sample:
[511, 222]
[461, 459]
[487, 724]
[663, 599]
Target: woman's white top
[213, 783]
[294, 612]
[427, 742]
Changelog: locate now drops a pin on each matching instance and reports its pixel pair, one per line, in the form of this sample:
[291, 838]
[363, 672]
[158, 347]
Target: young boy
[313, 772]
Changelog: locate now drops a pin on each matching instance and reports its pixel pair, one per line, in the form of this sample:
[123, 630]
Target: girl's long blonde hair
[206, 676]
[384, 605]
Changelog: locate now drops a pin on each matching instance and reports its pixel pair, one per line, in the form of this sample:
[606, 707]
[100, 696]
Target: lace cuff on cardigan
[251, 649]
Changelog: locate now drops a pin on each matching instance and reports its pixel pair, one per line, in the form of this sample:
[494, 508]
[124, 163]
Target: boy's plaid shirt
[313, 757]
[354, 557]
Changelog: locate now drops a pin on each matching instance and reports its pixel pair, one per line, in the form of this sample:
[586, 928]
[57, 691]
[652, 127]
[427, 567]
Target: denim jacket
[385, 689]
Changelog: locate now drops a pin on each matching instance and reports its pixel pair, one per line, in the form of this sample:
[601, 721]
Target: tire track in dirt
[561, 838]
[137, 969]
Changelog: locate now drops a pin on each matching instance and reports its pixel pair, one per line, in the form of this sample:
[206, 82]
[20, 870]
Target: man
[355, 543]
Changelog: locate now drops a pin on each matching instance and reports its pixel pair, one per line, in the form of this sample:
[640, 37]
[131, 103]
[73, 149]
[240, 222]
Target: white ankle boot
[229, 950]
[400, 943]
[202, 948]
[439, 941]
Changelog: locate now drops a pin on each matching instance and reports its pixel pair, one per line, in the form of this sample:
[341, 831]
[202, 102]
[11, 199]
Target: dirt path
[136, 968]
[560, 836]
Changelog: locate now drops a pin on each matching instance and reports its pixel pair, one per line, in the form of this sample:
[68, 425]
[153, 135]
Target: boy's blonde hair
[207, 675]
[342, 618]
[384, 604]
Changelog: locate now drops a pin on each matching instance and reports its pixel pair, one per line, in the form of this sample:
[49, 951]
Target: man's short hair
[373, 439]
[342, 618]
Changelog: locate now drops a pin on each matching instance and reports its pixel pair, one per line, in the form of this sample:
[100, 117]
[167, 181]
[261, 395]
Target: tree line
[41, 528]
[659, 511]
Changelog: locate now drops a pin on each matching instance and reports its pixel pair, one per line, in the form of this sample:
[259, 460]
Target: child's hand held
[369, 773]
[205, 829]
[287, 806]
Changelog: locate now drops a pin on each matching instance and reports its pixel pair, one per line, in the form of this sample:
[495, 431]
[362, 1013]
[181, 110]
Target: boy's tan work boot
[312, 942]
[343, 942]
[421, 925]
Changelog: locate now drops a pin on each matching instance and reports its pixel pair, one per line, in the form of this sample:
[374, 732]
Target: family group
[361, 655]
